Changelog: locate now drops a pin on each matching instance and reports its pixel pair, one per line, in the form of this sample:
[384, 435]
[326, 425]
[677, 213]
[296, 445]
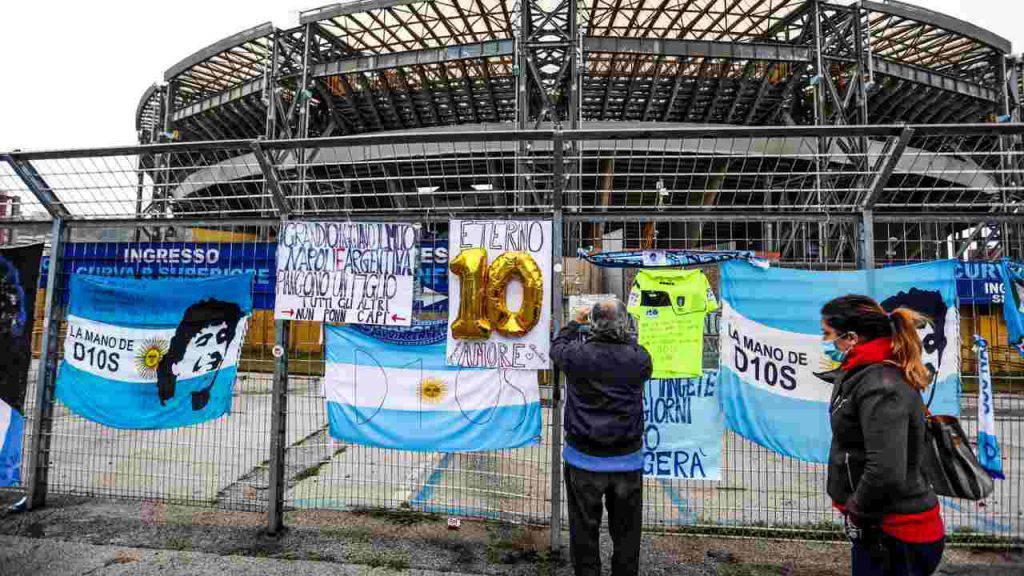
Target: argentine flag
[153, 354]
[399, 393]
[12, 424]
[771, 346]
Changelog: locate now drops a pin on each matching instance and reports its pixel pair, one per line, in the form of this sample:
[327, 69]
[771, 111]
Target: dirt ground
[408, 542]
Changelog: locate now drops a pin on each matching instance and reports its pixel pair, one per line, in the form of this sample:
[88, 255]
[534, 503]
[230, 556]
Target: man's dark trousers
[623, 496]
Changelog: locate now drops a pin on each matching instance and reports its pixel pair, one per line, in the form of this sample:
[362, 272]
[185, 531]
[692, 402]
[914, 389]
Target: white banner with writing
[499, 280]
[346, 272]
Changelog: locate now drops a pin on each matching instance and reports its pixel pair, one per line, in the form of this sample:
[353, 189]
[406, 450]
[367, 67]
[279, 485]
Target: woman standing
[878, 438]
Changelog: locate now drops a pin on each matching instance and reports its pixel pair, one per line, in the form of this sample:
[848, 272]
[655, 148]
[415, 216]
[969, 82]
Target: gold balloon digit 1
[471, 268]
[504, 269]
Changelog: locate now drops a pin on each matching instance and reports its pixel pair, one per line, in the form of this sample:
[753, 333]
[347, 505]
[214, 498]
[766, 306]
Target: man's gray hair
[610, 320]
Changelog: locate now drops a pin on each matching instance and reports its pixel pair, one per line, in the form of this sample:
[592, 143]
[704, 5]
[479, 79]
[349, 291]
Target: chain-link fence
[811, 198]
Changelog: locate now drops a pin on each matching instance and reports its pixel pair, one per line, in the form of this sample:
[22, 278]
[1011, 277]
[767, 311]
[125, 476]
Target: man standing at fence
[604, 420]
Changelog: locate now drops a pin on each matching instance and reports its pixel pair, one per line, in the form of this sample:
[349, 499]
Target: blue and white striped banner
[989, 455]
[403, 395]
[770, 346]
[149, 354]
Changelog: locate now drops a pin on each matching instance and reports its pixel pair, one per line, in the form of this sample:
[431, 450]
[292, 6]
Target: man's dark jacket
[604, 409]
[878, 441]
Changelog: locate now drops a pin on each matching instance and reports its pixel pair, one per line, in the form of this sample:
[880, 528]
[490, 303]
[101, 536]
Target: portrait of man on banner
[198, 348]
[153, 354]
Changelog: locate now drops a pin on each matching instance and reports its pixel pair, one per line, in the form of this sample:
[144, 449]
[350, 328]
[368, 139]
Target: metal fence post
[278, 429]
[557, 193]
[38, 466]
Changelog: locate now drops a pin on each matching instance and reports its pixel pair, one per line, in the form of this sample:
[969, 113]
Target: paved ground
[20, 555]
[106, 537]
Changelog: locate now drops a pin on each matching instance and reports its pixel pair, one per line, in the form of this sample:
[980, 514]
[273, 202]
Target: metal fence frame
[549, 185]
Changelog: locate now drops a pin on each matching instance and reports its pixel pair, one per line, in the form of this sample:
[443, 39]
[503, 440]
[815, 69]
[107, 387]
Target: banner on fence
[346, 272]
[500, 294]
[979, 282]
[19, 269]
[433, 273]
[770, 346]
[683, 428]
[989, 455]
[1013, 307]
[173, 260]
[150, 354]
[405, 396]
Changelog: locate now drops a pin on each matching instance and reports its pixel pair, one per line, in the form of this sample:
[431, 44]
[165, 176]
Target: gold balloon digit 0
[471, 268]
[505, 268]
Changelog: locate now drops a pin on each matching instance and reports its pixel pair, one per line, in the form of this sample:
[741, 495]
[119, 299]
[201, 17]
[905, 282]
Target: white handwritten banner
[499, 279]
[346, 272]
[683, 428]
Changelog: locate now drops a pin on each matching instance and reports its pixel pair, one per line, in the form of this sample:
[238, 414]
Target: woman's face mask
[830, 343]
[831, 351]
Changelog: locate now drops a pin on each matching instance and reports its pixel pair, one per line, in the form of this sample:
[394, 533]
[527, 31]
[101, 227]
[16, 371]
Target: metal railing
[813, 198]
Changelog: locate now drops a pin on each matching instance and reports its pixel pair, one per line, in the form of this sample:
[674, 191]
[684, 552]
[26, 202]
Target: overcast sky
[72, 71]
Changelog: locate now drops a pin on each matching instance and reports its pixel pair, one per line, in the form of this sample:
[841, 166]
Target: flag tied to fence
[1013, 304]
[19, 269]
[989, 455]
[150, 354]
[670, 258]
[401, 394]
[770, 346]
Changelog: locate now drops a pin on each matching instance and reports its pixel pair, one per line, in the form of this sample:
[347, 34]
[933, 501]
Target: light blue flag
[1013, 304]
[12, 425]
[150, 354]
[400, 393]
[770, 346]
[989, 455]
[683, 428]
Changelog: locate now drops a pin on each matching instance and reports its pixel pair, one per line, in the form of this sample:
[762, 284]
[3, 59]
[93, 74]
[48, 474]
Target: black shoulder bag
[949, 463]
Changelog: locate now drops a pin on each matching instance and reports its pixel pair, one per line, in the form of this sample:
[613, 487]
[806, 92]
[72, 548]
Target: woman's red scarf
[872, 352]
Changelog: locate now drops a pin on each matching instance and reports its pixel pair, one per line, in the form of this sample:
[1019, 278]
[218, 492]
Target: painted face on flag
[205, 351]
[933, 332]
[1018, 284]
[198, 349]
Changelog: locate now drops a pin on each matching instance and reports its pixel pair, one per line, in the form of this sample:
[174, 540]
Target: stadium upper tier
[380, 65]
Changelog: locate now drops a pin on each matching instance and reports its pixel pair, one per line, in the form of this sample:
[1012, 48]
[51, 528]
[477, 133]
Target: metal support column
[278, 428]
[38, 466]
[558, 191]
[866, 236]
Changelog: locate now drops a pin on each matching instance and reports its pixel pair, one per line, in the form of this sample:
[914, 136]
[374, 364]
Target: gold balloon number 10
[482, 291]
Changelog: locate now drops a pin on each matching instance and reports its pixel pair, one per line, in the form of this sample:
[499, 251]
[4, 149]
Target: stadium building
[471, 67]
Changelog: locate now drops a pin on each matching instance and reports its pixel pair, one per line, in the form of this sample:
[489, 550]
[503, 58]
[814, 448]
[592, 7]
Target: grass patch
[178, 543]
[348, 533]
[377, 558]
[400, 517]
[509, 544]
[314, 556]
[287, 555]
[309, 472]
